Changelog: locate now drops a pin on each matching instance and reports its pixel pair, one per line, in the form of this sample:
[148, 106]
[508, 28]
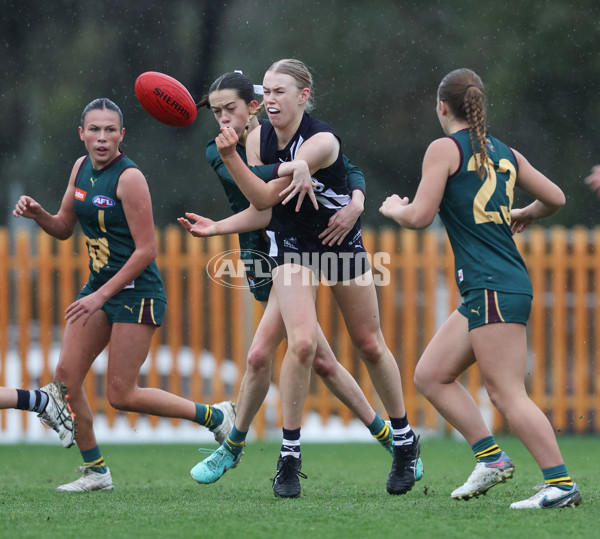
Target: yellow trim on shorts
[486, 306]
[151, 311]
[498, 306]
[487, 319]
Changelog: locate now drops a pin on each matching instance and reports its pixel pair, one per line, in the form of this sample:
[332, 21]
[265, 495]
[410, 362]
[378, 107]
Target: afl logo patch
[101, 201]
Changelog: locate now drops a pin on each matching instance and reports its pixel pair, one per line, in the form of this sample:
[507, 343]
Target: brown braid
[250, 118]
[476, 120]
[463, 92]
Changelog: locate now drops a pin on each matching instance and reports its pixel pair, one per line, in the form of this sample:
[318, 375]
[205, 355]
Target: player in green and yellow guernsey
[477, 218]
[109, 239]
[123, 301]
[470, 177]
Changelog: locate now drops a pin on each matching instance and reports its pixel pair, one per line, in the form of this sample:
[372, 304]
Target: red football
[165, 99]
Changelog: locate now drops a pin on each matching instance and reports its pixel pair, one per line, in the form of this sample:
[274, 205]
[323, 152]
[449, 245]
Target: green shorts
[260, 285]
[125, 308]
[260, 288]
[484, 306]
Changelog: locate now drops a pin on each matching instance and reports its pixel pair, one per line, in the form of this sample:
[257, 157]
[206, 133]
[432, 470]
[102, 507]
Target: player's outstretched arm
[62, 224]
[244, 221]
[437, 166]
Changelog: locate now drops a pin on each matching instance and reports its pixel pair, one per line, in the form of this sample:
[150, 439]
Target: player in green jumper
[123, 301]
[470, 177]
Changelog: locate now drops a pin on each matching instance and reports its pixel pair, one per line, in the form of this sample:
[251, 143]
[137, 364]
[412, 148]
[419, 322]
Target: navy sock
[291, 443]
[403, 434]
[34, 400]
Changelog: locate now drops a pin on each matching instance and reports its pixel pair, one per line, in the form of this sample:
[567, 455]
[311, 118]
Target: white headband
[258, 89]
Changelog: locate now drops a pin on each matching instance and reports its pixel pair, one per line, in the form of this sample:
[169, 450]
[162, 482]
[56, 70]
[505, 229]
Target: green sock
[208, 416]
[486, 449]
[558, 477]
[235, 441]
[93, 458]
[380, 430]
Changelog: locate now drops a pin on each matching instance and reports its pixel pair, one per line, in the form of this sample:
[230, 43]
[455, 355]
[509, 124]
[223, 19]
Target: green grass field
[344, 495]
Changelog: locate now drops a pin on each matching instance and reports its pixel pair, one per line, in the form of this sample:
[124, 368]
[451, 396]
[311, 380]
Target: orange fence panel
[200, 351]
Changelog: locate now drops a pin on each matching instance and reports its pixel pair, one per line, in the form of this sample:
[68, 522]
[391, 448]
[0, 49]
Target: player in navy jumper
[232, 100]
[294, 140]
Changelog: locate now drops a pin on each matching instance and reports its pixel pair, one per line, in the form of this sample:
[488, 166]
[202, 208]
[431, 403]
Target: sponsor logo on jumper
[93, 182]
[461, 277]
[101, 201]
[80, 194]
[171, 102]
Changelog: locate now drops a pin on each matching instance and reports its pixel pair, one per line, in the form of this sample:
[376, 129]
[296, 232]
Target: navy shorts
[337, 263]
[484, 306]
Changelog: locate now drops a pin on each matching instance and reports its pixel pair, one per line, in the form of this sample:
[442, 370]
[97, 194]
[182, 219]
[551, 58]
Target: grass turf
[344, 495]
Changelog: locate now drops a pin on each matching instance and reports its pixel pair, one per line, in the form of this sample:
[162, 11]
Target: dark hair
[230, 81]
[102, 103]
[463, 92]
[243, 88]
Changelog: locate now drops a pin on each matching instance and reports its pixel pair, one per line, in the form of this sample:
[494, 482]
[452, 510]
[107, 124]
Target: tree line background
[376, 67]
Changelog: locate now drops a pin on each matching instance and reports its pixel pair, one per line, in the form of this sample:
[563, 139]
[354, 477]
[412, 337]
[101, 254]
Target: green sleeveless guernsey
[476, 214]
[106, 231]
[254, 240]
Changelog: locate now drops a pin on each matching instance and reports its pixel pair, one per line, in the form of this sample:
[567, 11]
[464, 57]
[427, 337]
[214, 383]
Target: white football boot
[58, 415]
[548, 497]
[89, 480]
[484, 477]
[221, 432]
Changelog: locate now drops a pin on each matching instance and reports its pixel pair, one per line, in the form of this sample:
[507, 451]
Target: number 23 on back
[486, 191]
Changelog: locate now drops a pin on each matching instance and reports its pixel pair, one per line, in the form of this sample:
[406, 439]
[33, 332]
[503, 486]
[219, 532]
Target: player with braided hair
[470, 176]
